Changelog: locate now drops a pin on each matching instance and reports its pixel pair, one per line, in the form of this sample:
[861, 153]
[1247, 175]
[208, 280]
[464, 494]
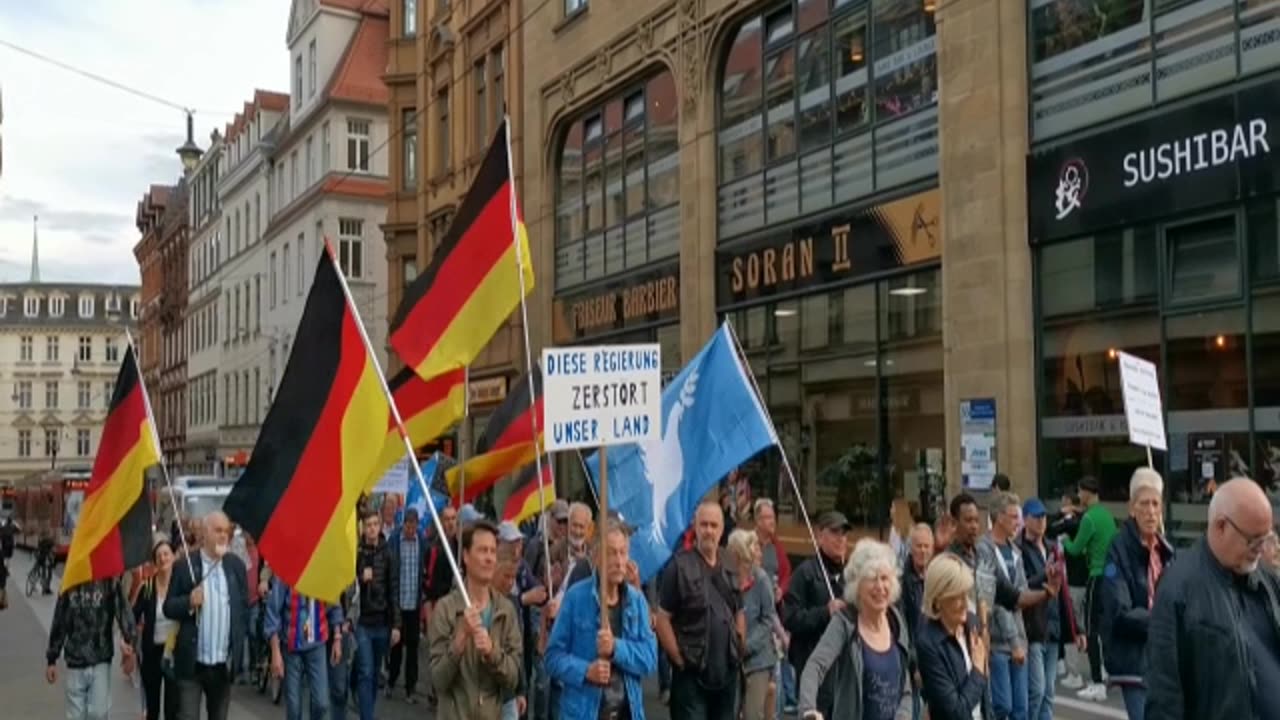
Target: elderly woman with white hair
[1138, 557]
[761, 655]
[866, 645]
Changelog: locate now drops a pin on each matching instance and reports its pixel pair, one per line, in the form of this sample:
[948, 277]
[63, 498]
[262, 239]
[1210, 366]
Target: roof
[262, 100]
[366, 7]
[359, 74]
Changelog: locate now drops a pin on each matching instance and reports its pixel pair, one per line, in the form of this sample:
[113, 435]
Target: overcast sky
[81, 154]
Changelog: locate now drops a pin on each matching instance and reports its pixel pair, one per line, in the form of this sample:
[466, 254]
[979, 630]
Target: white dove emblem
[664, 458]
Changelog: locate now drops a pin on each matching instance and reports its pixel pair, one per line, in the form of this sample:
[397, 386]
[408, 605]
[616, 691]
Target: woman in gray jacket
[763, 626]
[865, 645]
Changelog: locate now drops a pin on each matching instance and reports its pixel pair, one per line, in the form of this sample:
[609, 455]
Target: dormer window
[57, 305]
[31, 306]
[86, 306]
[113, 302]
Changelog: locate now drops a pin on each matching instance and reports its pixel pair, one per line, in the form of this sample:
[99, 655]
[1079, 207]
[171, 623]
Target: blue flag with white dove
[415, 500]
[712, 422]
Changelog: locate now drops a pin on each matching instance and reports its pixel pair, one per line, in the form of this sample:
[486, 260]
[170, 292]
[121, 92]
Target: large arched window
[618, 184]
[823, 102]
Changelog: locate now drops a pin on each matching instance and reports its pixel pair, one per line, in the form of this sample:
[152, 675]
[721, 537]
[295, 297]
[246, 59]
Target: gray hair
[868, 559]
[1001, 502]
[922, 528]
[581, 507]
[761, 504]
[1145, 478]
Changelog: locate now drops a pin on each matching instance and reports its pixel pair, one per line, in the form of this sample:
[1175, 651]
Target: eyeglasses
[1255, 542]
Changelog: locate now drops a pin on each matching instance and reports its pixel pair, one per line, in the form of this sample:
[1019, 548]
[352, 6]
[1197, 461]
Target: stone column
[986, 271]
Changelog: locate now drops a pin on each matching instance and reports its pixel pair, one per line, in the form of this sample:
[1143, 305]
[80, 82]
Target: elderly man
[1213, 641]
[209, 598]
[601, 668]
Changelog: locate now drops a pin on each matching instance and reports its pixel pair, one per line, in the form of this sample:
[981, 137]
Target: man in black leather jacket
[1213, 649]
[808, 605]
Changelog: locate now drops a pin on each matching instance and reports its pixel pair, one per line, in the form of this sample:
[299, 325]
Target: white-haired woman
[762, 620]
[1137, 558]
[951, 650]
[866, 644]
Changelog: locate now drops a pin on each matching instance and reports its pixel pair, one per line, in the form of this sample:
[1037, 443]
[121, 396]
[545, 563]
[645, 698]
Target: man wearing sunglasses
[1214, 637]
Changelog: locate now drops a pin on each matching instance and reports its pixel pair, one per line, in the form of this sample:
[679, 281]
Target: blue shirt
[213, 619]
[410, 571]
[881, 683]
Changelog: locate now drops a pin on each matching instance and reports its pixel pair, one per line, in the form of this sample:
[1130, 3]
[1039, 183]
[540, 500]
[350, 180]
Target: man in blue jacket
[601, 669]
[298, 629]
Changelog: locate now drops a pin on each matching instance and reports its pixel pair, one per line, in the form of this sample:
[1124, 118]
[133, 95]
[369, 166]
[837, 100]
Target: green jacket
[1093, 539]
[468, 686]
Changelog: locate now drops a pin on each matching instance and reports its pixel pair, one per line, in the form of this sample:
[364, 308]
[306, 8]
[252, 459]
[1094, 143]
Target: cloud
[59, 219]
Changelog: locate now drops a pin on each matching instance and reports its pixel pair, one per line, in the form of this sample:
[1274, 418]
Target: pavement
[24, 633]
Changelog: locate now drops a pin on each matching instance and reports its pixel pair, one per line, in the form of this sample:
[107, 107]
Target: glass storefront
[841, 321]
[1179, 268]
[823, 102]
[1094, 61]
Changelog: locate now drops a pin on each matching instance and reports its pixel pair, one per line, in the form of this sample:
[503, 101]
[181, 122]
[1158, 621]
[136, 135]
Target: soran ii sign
[1222, 146]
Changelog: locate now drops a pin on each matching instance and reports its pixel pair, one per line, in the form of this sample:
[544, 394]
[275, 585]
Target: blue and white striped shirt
[213, 620]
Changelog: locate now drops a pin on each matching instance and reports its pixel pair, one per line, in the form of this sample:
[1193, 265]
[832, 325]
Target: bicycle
[41, 574]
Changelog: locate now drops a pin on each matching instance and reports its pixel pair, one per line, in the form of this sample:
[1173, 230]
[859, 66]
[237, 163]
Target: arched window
[823, 102]
[618, 184]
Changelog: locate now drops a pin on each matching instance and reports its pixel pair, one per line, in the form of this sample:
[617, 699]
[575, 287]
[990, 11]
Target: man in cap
[1093, 540]
[815, 593]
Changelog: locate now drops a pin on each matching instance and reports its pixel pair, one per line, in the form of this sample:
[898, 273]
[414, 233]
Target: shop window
[1207, 409]
[1265, 326]
[1264, 241]
[1204, 261]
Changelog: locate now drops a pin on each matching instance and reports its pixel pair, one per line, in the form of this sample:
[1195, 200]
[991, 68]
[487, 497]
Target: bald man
[1213, 649]
[211, 611]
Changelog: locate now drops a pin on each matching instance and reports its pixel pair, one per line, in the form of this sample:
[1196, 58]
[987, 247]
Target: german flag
[428, 408]
[523, 503]
[113, 534]
[455, 306]
[512, 423]
[312, 460]
[484, 471]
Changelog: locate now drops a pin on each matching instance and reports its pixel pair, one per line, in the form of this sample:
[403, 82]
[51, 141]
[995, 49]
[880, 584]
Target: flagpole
[786, 463]
[528, 352]
[155, 438]
[586, 473]
[464, 437]
[410, 453]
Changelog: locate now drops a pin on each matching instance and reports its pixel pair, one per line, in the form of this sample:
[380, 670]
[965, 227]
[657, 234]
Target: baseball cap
[1034, 508]
[508, 532]
[469, 514]
[833, 520]
[560, 510]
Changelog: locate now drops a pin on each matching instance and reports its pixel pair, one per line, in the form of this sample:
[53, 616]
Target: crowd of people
[967, 619]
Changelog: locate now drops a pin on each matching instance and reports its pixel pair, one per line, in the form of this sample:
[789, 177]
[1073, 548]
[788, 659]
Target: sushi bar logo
[1073, 184]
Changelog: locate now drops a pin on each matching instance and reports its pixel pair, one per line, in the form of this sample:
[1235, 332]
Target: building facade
[206, 256]
[794, 167]
[451, 81]
[148, 218]
[60, 350]
[328, 183]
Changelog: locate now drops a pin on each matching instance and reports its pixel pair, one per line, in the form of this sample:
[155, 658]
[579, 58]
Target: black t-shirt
[703, 605]
[1263, 645]
[613, 701]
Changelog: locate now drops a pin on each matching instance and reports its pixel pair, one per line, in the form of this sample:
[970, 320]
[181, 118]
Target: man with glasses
[1214, 636]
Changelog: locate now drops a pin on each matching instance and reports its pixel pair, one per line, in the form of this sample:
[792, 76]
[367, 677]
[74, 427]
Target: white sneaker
[1073, 682]
[1062, 669]
[1096, 692]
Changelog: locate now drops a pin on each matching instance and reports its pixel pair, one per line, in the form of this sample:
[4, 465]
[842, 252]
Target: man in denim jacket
[601, 669]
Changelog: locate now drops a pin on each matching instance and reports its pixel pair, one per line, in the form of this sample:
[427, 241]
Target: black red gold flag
[428, 408]
[525, 501]
[113, 534]
[313, 457]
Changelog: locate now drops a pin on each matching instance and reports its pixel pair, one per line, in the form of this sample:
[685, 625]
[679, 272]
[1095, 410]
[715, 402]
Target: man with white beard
[1213, 649]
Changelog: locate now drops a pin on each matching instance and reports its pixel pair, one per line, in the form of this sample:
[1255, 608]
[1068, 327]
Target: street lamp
[189, 152]
[53, 428]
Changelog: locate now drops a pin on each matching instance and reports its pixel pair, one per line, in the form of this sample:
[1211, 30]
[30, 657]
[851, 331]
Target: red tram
[48, 502]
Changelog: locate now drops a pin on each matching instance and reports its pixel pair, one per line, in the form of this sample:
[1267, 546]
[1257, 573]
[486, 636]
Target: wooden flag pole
[604, 529]
[410, 453]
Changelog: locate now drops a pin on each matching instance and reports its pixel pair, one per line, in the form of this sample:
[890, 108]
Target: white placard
[1142, 407]
[395, 480]
[601, 395]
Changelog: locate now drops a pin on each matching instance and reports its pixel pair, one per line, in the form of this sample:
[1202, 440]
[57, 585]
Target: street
[24, 630]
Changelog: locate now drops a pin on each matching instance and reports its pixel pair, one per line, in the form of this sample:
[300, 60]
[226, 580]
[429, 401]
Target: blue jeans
[789, 688]
[89, 692]
[510, 710]
[1042, 674]
[1135, 701]
[373, 643]
[340, 679]
[1008, 687]
[313, 663]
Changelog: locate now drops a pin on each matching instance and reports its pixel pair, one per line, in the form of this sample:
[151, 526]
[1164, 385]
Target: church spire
[35, 249]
